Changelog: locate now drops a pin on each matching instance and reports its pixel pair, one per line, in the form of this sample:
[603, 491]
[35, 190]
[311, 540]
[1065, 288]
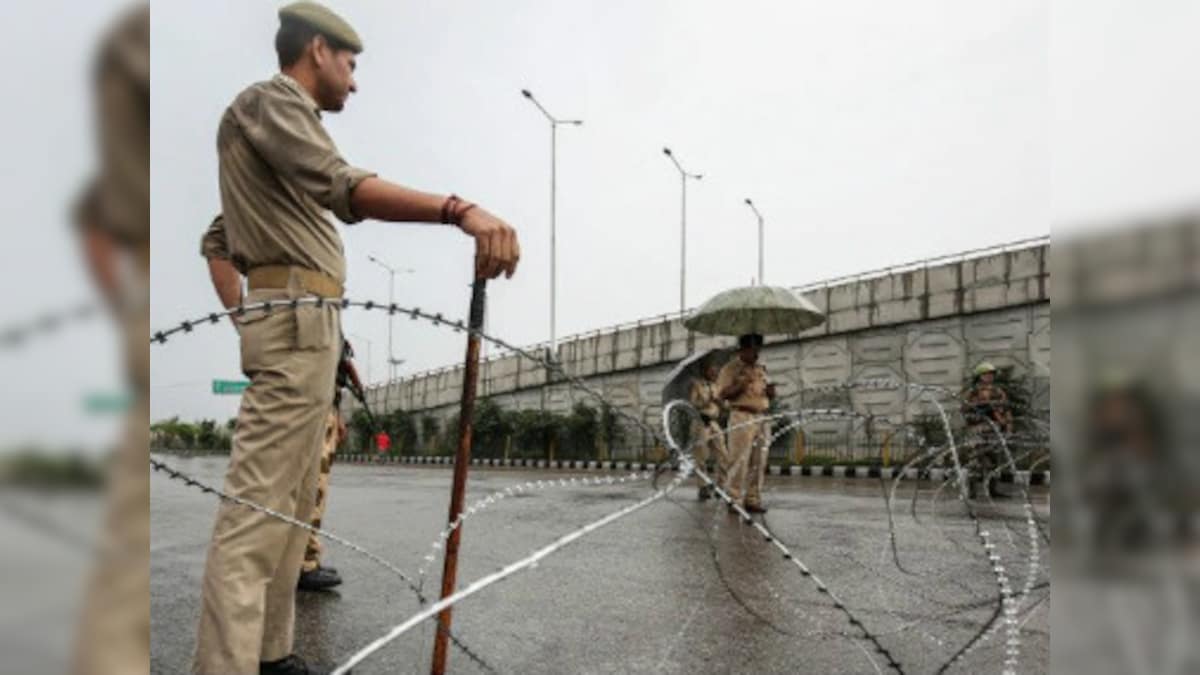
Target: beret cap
[324, 21]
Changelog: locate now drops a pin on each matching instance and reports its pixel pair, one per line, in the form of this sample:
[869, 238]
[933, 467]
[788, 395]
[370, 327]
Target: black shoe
[755, 508]
[290, 665]
[704, 493]
[320, 579]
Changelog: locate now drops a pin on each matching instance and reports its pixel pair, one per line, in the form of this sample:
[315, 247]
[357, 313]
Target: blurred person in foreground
[280, 174]
[113, 218]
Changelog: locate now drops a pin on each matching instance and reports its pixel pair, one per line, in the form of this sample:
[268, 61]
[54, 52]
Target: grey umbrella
[766, 310]
[679, 380]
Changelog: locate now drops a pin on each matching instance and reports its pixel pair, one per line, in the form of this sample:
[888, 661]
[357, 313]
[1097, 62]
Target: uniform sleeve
[726, 377]
[214, 244]
[289, 136]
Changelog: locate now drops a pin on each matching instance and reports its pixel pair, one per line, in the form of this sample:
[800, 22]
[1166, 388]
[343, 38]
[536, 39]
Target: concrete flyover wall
[927, 322]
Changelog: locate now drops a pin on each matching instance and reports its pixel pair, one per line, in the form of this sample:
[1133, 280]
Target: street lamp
[392, 271]
[760, 239]
[683, 178]
[368, 341]
[554, 122]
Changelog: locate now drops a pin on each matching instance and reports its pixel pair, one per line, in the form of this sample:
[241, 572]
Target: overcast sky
[869, 133]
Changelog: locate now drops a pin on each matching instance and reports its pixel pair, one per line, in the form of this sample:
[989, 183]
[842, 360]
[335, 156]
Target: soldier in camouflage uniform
[985, 404]
[313, 575]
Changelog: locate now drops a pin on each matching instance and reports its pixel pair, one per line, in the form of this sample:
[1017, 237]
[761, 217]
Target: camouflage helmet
[984, 367]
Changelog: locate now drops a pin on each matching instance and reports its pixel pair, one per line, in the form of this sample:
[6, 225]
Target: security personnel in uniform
[986, 403]
[743, 384]
[313, 575]
[279, 176]
[707, 434]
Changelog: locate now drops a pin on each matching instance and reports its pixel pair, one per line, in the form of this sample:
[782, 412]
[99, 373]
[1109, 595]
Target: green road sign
[106, 403]
[230, 386]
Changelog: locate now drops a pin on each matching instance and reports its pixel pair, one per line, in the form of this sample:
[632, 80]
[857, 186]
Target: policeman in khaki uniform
[313, 576]
[743, 384]
[279, 176]
[706, 431]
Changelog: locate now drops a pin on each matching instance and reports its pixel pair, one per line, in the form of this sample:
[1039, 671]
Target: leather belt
[279, 276]
[748, 409]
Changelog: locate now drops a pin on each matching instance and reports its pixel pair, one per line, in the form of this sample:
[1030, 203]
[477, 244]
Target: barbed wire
[527, 562]
[679, 460]
[180, 476]
[513, 490]
[770, 538]
[437, 319]
[17, 334]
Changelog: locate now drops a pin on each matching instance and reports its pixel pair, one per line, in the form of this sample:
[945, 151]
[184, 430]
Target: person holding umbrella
[743, 384]
[750, 313]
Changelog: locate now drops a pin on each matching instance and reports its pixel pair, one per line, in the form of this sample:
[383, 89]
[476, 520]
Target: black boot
[994, 490]
[289, 665]
[320, 579]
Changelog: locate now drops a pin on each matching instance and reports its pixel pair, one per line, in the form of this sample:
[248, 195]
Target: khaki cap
[324, 20]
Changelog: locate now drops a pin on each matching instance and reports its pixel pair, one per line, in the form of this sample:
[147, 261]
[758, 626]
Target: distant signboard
[230, 386]
[106, 403]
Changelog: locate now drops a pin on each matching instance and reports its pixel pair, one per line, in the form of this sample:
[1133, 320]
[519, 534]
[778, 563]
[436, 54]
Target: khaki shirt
[280, 174]
[703, 397]
[754, 396]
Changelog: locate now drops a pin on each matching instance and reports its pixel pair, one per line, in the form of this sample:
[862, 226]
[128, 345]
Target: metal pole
[554, 122]
[391, 320]
[760, 238]
[462, 460]
[553, 231]
[683, 247]
[760, 251]
[683, 177]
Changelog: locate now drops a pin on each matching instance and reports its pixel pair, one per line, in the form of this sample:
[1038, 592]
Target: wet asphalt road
[678, 587]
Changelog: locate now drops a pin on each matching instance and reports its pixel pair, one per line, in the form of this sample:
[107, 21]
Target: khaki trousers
[249, 587]
[747, 456]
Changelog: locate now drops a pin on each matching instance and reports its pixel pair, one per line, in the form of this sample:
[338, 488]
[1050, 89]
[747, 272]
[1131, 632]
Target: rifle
[347, 378]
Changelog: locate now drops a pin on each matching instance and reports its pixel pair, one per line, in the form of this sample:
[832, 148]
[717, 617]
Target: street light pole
[683, 179]
[554, 123]
[391, 301]
[760, 239]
